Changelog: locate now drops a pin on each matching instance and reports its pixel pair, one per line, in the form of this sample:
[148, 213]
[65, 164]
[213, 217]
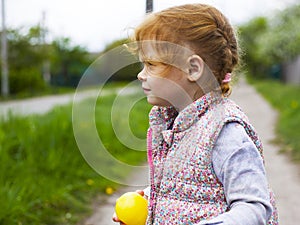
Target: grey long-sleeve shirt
[240, 168]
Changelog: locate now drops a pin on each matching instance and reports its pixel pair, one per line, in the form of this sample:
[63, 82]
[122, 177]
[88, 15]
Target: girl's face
[165, 85]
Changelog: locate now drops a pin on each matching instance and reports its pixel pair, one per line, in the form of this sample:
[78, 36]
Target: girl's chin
[157, 101]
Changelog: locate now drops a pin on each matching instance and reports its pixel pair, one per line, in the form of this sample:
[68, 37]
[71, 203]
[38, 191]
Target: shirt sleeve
[147, 191]
[240, 168]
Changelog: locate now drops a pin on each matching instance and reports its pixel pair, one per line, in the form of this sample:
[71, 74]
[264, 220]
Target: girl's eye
[149, 63]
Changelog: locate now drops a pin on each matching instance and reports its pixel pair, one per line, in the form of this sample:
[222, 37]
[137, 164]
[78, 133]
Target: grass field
[43, 176]
[286, 99]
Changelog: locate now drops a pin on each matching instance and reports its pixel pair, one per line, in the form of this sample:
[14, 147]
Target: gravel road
[39, 105]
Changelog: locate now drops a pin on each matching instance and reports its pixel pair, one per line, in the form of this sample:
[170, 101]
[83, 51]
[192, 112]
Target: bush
[26, 80]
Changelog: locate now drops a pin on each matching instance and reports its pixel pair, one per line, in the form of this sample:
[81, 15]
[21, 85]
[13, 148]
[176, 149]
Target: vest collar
[167, 121]
[191, 114]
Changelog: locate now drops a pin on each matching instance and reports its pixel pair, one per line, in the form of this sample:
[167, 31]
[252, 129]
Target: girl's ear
[195, 68]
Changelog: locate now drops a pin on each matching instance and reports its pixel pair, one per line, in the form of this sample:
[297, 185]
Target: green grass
[43, 176]
[286, 99]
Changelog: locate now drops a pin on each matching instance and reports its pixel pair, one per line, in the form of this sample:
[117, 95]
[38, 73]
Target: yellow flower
[90, 182]
[294, 104]
[109, 190]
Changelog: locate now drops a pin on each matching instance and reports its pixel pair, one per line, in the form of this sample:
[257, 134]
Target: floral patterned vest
[184, 188]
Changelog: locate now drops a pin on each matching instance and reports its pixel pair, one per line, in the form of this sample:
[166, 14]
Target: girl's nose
[142, 75]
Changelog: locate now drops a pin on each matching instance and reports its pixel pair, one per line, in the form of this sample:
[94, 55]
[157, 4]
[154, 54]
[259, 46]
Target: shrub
[26, 80]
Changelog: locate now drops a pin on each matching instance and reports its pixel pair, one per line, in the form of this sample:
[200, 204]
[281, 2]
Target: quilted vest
[184, 188]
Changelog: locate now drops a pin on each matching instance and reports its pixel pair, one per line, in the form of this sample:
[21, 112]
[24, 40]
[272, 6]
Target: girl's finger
[115, 218]
[141, 192]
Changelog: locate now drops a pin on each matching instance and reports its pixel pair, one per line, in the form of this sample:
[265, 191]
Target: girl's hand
[116, 219]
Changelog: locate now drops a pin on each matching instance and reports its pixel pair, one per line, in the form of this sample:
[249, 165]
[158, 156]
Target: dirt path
[42, 105]
[39, 105]
[284, 176]
[104, 207]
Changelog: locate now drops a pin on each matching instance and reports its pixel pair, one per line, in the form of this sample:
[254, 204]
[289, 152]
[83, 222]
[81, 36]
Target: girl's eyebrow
[143, 59]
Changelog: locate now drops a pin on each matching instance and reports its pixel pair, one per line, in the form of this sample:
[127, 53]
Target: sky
[96, 23]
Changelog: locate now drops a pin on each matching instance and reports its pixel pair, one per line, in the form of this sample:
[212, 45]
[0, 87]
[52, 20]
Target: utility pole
[46, 63]
[149, 6]
[4, 63]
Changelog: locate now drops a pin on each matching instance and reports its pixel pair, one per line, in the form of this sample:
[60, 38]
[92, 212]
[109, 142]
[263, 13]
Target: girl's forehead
[148, 52]
[164, 52]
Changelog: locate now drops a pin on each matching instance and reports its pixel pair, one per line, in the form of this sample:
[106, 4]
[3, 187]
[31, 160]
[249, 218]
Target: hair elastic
[227, 78]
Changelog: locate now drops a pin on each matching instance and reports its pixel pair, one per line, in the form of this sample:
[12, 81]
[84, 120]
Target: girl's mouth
[146, 90]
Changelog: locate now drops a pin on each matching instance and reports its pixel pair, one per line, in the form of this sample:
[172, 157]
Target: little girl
[205, 158]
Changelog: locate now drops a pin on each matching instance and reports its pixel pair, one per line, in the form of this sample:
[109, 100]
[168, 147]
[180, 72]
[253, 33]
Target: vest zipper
[151, 167]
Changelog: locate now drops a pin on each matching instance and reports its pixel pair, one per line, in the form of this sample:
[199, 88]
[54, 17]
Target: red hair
[202, 28]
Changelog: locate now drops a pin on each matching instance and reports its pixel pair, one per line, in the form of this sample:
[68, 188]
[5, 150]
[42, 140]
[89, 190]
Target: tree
[128, 73]
[25, 60]
[270, 42]
[249, 38]
[68, 62]
[25, 48]
[28, 53]
[282, 40]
